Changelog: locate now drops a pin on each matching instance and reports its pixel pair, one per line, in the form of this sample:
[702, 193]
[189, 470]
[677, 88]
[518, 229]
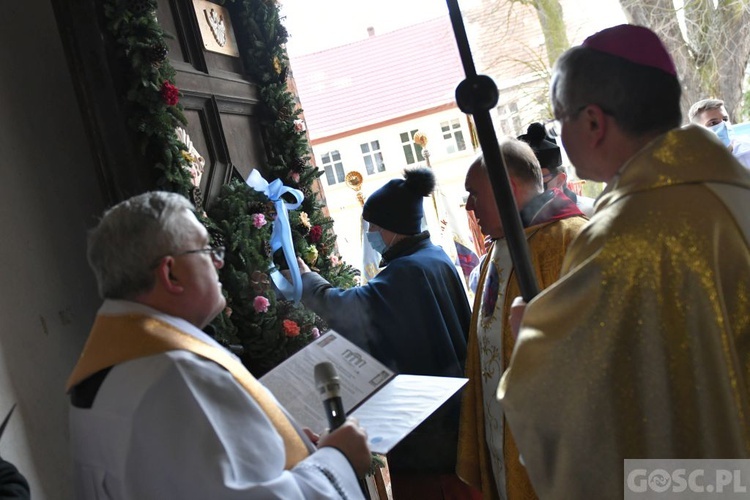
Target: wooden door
[219, 102]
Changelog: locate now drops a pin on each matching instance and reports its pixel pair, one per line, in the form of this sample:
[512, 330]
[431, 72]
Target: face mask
[722, 131]
[376, 241]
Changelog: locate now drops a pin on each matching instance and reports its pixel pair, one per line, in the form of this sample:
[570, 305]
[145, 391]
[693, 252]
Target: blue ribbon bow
[281, 235]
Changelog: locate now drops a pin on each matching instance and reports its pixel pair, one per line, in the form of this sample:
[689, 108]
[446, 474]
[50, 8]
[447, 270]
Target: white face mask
[722, 131]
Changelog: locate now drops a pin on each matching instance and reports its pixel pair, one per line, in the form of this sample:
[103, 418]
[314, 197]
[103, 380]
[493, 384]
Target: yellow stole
[547, 245]
[117, 339]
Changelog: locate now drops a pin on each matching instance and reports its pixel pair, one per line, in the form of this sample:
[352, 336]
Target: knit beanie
[545, 148]
[397, 206]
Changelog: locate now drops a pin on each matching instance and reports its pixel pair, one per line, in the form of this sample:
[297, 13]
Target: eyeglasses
[553, 127]
[217, 253]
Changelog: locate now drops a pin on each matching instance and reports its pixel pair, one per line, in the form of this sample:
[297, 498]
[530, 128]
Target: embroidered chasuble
[117, 339]
[488, 458]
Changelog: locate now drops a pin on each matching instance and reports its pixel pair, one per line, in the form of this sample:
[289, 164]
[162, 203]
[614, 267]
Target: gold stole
[117, 339]
[474, 464]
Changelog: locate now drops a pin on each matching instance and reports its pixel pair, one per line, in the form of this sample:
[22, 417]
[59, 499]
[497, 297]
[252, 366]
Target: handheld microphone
[329, 385]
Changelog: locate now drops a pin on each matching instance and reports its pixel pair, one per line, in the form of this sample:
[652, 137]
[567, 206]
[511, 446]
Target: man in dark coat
[413, 316]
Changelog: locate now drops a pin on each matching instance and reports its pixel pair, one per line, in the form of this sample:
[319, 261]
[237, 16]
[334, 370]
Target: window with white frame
[372, 157]
[453, 136]
[510, 122]
[333, 166]
[412, 150]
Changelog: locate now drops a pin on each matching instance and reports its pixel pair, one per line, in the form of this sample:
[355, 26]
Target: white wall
[50, 197]
[450, 171]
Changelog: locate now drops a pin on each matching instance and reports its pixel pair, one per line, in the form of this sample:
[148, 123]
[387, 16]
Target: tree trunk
[711, 53]
[550, 15]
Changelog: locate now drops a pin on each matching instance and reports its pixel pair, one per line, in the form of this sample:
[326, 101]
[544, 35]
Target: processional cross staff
[477, 95]
[421, 139]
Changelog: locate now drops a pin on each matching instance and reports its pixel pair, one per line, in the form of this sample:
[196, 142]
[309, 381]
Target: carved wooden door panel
[221, 105]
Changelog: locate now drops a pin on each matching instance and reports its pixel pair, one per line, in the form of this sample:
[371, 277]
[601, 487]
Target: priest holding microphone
[159, 410]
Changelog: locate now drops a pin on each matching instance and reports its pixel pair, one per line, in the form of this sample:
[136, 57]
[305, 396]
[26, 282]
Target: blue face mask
[376, 241]
[722, 131]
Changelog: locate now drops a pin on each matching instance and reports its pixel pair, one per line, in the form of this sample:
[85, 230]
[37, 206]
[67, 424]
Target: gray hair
[641, 99]
[520, 160]
[131, 237]
[701, 106]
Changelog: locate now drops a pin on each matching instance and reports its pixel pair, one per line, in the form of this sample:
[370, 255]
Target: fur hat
[397, 206]
[545, 148]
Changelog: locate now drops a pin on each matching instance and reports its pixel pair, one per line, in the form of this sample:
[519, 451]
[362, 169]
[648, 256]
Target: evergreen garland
[151, 98]
[268, 328]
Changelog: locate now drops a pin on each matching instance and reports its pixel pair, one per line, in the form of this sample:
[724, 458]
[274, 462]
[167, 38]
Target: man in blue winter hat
[413, 317]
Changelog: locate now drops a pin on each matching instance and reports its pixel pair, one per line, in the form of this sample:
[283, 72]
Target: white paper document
[399, 407]
[388, 406]
[293, 382]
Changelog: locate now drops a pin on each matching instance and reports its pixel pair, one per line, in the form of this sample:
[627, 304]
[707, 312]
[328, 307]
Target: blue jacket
[413, 317]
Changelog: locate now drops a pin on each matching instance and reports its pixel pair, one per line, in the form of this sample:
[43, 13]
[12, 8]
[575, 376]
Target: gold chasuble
[490, 345]
[117, 339]
[642, 348]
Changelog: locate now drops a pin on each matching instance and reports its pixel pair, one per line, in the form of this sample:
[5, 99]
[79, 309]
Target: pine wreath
[268, 328]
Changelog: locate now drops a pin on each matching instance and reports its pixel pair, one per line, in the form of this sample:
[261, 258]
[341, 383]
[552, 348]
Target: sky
[316, 25]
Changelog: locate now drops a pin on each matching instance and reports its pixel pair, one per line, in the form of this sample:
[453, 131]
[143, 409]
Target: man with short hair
[640, 350]
[159, 409]
[712, 114]
[488, 458]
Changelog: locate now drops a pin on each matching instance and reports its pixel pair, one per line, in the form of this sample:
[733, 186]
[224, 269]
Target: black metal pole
[477, 95]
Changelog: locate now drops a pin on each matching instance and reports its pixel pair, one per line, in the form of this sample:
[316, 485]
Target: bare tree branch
[711, 49]
[708, 39]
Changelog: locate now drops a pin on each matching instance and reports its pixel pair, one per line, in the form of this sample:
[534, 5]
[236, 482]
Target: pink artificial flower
[334, 259]
[295, 177]
[260, 304]
[259, 220]
[315, 332]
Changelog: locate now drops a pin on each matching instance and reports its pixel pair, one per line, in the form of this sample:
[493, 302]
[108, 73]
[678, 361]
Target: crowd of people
[636, 347]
